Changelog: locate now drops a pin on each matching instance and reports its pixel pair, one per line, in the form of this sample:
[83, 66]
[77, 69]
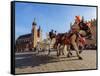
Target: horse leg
[80, 46]
[69, 51]
[49, 50]
[58, 49]
[77, 51]
[81, 50]
[62, 49]
[73, 38]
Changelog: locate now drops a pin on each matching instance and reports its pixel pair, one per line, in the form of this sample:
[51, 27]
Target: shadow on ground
[36, 60]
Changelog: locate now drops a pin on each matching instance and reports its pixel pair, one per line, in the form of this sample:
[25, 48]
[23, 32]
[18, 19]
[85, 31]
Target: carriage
[64, 40]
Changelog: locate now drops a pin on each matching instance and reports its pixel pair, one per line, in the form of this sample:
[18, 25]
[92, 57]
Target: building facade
[29, 41]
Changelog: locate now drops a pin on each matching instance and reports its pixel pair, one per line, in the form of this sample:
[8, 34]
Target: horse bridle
[88, 32]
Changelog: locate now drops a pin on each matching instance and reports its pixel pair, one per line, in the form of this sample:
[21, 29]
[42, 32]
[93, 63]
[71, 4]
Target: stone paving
[31, 62]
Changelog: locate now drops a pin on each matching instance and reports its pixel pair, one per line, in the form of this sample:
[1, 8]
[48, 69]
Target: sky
[48, 16]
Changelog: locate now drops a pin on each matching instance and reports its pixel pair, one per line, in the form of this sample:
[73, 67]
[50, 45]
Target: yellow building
[29, 41]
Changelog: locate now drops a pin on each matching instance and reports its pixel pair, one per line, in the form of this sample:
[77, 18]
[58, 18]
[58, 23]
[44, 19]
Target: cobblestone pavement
[31, 62]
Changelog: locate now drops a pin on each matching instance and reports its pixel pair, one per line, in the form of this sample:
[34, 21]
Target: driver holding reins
[84, 28]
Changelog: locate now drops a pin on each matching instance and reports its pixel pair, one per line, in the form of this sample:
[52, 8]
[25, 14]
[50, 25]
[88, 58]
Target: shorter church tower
[39, 34]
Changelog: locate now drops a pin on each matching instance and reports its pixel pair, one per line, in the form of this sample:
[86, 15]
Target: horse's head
[52, 35]
[87, 32]
[83, 28]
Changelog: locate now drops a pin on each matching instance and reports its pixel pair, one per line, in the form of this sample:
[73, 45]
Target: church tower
[34, 33]
[39, 34]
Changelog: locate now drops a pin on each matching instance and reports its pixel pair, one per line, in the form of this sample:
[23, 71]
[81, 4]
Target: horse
[78, 31]
[60, 42]
[68, 39]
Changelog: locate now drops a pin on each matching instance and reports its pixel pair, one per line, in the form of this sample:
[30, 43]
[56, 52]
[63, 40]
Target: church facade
[29, 41]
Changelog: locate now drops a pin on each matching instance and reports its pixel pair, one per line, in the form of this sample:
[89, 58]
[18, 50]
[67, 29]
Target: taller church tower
[34, 33]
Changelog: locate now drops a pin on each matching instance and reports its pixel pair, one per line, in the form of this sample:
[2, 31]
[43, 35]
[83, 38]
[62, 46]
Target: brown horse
[61, 39]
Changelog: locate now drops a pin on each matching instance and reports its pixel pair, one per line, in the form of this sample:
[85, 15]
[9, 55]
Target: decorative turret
[34, 23]
[40, 33]
[39, 28]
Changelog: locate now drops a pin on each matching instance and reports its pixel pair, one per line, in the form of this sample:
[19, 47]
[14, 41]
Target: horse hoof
[57, 55]
[80, 58]
[68, 56]
[63, 54]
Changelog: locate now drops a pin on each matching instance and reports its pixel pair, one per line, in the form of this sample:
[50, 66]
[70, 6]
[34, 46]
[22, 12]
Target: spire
[34, 22]
[39, 28]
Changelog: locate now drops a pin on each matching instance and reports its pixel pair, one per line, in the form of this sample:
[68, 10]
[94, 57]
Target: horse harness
[83, 26]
